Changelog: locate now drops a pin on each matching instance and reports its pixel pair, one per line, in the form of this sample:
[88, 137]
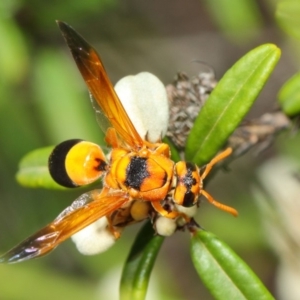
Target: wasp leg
[116, 233]
[172, 214]
[215, 160]
[218, 204]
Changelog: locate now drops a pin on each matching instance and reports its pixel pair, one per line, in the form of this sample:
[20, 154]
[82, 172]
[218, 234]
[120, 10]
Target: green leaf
[289, 96]
[61, 109]
[287, 15]
[13, 53]
[229, 102]
[33, 170]
[139, 264]
[240, 20]
[224, 273]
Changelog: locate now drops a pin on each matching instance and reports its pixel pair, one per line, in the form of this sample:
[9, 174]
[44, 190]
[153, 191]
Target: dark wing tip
[64, 27]
[75, 41]
[18, 254]
[36, 245]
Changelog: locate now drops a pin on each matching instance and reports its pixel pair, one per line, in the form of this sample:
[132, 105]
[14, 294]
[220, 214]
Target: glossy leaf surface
[229, 102]
[222, 271]
[33, 170]
[137, 269]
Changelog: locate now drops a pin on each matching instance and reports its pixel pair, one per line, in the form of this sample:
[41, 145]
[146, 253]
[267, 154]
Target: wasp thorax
[187, 184]
[146, 177]
[76, 162]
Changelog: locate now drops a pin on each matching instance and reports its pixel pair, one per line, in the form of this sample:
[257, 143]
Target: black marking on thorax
[136, 172]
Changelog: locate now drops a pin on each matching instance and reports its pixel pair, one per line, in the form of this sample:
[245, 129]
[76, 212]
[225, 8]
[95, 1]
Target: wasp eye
[76, 162]
[189, 199]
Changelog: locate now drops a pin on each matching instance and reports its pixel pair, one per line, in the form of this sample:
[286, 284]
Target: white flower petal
[188, 211]
[145, 100]
[165, 226]
[94, 239]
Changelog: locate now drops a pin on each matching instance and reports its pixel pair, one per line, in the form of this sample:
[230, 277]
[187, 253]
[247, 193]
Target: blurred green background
[43, 101]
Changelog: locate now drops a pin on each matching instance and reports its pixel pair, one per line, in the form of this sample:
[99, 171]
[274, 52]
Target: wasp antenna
[214, 161]
[219, 205]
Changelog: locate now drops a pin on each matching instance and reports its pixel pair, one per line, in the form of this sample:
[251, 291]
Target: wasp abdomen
[76, 162]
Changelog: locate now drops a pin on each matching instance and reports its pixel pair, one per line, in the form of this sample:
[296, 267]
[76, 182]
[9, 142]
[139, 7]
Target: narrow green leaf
[13, 53]
[33, 170]
[229, 102]
[224, 273]
[289, 96]
[287, 15]
[139, 264]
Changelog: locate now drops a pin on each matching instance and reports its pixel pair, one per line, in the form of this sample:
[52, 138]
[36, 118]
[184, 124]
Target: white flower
[95, 238]
[165, 226]
[145, 100]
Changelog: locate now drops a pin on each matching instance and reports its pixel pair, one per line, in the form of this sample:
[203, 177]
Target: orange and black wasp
[138, 172]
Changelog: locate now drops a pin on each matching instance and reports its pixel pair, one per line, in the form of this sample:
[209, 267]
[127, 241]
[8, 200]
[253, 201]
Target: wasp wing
[85, 210]
[99, 85]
